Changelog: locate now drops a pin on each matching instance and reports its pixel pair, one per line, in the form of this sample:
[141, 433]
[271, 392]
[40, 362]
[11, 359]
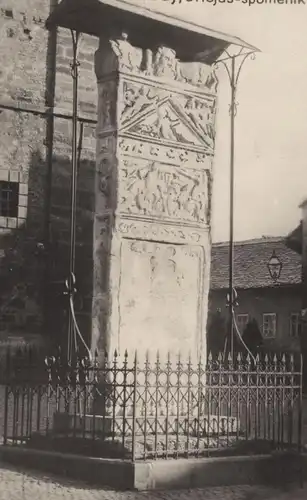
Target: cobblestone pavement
[16, 484]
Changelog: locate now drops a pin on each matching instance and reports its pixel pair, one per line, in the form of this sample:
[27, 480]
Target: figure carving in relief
[148, 62]
[201, 114]
[195, 73]
[198, 74]
[187, 120]
[164, 127]
[105, 173]
[164, 268]
[101, 248]
[162, 263]
[137, 99]
[212, 82]
[107, 99]
[129, 57]
[156, 190]
[165, 63]
[105, 184]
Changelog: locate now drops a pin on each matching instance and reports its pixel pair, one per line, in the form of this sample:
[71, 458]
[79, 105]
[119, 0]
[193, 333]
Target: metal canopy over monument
[155, 148]
[145, 27]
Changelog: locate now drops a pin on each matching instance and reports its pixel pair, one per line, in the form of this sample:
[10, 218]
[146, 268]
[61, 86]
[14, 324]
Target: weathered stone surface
[155, 147]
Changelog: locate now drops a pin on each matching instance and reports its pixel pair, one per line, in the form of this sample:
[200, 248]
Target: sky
[271, 121]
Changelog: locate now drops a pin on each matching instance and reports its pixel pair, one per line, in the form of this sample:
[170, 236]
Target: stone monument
[155, 151]
[154, 159]
[155, 148]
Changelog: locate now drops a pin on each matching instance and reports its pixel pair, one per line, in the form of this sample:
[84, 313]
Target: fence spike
[229, 358]
[220, 357]
[94, 355]
[275, 358]
[179, 359]
[95, 359]
[210, 357]
[239, 357]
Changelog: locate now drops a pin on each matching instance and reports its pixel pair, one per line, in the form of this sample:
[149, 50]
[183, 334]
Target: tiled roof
[250, 264]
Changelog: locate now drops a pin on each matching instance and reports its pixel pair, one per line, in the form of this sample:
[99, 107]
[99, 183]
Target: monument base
[104, 426]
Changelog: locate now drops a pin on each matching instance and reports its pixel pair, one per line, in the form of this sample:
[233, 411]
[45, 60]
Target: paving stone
[30, 485]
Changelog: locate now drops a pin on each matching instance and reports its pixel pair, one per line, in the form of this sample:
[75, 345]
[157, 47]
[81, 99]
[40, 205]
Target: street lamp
[274, 266]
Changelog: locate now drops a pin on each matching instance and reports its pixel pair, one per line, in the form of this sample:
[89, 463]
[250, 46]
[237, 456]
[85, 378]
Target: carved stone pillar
[155, 148]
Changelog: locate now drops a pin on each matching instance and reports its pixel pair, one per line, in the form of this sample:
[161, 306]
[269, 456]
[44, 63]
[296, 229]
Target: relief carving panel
[167, 116]
[129, 58]
[119, 54]
[162, 232]
[155, 145]
[102, 242]
[160, 291]
[163, 192]
[105, 174]
[165, 154]
[107, 104]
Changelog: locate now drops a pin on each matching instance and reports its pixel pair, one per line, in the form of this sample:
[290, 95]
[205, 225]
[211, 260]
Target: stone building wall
[35, 151]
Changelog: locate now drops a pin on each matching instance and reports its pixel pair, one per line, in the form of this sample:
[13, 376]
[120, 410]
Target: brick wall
[35, 146]
[257, 302]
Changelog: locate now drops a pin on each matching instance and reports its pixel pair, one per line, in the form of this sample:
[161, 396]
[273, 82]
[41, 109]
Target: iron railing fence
[153, 407]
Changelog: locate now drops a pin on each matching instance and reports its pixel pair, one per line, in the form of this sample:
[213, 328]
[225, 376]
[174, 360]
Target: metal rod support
[74, 166]
[233, 74]
[231, 207]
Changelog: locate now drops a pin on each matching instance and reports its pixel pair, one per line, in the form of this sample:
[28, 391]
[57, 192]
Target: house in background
[275, 306]
[297, 241]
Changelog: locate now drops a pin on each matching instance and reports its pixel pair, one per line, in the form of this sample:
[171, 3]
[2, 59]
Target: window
[269, 325]
[9, 193]
[242, 321]
[295, 325]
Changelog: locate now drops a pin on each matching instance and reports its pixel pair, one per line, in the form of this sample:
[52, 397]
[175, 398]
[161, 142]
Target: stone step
[209, 424]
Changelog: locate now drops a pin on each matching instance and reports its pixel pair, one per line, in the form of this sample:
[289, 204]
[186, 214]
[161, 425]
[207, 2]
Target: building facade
[35, 170]
[275, 306]
[297, 241]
